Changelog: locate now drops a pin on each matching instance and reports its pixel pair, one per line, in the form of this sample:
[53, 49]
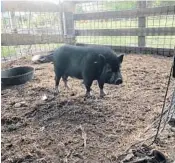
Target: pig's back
[69, 53]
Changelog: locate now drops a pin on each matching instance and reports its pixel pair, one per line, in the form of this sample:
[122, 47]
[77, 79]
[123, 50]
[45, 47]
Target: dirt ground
[69, 128]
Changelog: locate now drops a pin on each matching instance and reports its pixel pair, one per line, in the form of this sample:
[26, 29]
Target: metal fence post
[141, 24]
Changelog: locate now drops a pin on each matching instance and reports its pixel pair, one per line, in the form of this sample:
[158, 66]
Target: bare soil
[69, 128]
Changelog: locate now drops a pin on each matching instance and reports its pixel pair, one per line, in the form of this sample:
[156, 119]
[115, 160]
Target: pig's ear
[120, 58]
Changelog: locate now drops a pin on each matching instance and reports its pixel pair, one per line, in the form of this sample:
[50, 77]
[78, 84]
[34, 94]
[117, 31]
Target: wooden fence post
[13, 22]
[141, 24]
[68, 21]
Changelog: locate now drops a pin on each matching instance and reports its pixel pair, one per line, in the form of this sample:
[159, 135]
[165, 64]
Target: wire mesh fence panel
[29, 32]
[127, 26]
[165, 19]
[106, 23]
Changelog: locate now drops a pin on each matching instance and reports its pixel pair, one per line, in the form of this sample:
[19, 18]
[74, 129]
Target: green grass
[7, 51]
[160, 41]
[151, 41]
[106, 25]
[107, 40]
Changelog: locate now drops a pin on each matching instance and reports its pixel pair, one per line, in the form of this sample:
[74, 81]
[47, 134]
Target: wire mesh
[33, 24]
[164, 20]
[48, 25]
[114, 23]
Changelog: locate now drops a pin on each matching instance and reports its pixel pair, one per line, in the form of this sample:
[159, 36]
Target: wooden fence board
[29, 39]
[128, 49]
[127, 32]
[165, 10]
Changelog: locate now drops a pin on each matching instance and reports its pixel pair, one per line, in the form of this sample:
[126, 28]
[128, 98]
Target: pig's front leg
[101, 84]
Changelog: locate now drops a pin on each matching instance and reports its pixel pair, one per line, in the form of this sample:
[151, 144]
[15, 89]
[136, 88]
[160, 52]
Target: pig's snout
[118, 81]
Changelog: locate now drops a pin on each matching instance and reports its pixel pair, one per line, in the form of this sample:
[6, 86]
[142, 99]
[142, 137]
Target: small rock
[17, 105]
[23, 103]
[20, 104]
[44, 98]
[128, 157]
[12, 103]
[173, 129]
[42, 128]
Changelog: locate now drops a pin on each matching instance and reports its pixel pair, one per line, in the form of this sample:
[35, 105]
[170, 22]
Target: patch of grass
[107, 40]
[151, 41]
[7, 51]
[160, 41]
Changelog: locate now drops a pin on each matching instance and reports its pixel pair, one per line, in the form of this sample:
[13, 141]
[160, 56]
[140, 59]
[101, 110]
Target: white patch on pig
[95, 62]
[38, 58]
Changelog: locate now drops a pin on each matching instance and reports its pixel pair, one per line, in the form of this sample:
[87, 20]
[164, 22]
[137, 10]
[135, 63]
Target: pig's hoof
[56, 92]
[67, 87]
[102, 94]
[87, 95]
[91, 97]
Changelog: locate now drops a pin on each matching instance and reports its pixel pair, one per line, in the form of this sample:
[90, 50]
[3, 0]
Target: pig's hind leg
[57, 81]
[87, 83]
[64, 77]
[58, 75]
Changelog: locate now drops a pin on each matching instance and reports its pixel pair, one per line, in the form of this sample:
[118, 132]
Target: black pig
[88, 63]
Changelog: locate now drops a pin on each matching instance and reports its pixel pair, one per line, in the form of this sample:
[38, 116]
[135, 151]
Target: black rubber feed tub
[16, 76]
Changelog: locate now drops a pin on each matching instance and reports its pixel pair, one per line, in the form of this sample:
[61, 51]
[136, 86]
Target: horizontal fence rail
[27, 39]
[137, 50]
[127, 32]
[165, 10]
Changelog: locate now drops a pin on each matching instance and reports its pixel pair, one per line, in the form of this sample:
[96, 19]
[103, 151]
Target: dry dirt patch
[55, 130]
